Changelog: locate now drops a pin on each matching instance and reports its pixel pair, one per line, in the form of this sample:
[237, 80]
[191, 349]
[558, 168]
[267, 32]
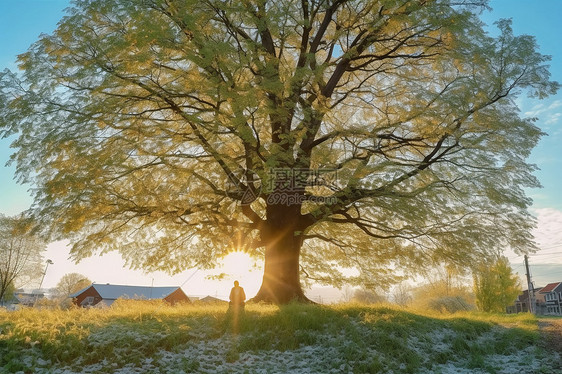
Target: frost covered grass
[147, 337]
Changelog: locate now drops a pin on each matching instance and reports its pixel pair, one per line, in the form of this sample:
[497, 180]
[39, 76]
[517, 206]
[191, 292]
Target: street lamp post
[49, 262]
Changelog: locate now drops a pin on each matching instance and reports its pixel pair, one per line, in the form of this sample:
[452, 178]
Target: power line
[189, 278]
[553, 246]
[547, 254]
[547, 264]
[555, 272]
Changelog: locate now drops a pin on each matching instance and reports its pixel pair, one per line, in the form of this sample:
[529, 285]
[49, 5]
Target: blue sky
[22, 21]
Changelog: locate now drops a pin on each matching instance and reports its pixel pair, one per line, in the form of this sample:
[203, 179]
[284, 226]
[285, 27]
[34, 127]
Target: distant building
[553, 298]
[108, 293]
[28, 297]
[10, 302]
[521, 304]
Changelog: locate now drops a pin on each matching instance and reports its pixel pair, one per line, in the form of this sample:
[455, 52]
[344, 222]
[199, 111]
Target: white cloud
[552, 118]
[546, 264]
[548, 236]
[535, 111]
[555, 104]
[549, 113]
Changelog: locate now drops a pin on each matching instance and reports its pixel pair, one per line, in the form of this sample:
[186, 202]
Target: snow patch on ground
[225, 355]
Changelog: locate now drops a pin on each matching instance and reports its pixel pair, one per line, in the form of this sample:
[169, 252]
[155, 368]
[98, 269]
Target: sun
[237, 264]
[240, 266]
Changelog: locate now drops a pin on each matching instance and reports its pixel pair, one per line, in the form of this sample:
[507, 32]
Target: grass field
[146, 337]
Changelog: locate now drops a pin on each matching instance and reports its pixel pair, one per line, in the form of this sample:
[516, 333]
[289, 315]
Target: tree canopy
[378, 135]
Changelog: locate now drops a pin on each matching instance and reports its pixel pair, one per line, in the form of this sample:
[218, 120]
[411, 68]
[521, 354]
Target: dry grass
[152, 336]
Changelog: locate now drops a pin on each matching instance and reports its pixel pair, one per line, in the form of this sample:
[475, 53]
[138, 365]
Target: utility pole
[530, 288]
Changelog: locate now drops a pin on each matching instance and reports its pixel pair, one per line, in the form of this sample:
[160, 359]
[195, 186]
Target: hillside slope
[143, 337]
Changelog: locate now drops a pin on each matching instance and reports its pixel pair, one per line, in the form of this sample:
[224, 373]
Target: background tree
[347, 294]
[20, 253]
[367, 297]
[495, 286]
[367, 134]
[8, 294]
[402, 294]
[446, 289]
[70, 283]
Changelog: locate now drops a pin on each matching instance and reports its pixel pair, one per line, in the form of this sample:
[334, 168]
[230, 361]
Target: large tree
[380, 136]
[20, 254]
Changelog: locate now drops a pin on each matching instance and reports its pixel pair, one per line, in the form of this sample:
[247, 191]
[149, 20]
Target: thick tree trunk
[281, 281]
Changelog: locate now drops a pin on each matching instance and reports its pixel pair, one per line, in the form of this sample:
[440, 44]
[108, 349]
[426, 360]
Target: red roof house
[550, 287]
[108, 293]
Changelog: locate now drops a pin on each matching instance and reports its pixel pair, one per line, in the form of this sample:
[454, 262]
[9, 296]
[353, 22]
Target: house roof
[550, 287]
[114, 291]
[211, 299]
[524, 295]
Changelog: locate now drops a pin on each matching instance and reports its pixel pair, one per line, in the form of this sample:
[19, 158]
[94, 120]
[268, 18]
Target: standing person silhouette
[237, 296]
[236, 306]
